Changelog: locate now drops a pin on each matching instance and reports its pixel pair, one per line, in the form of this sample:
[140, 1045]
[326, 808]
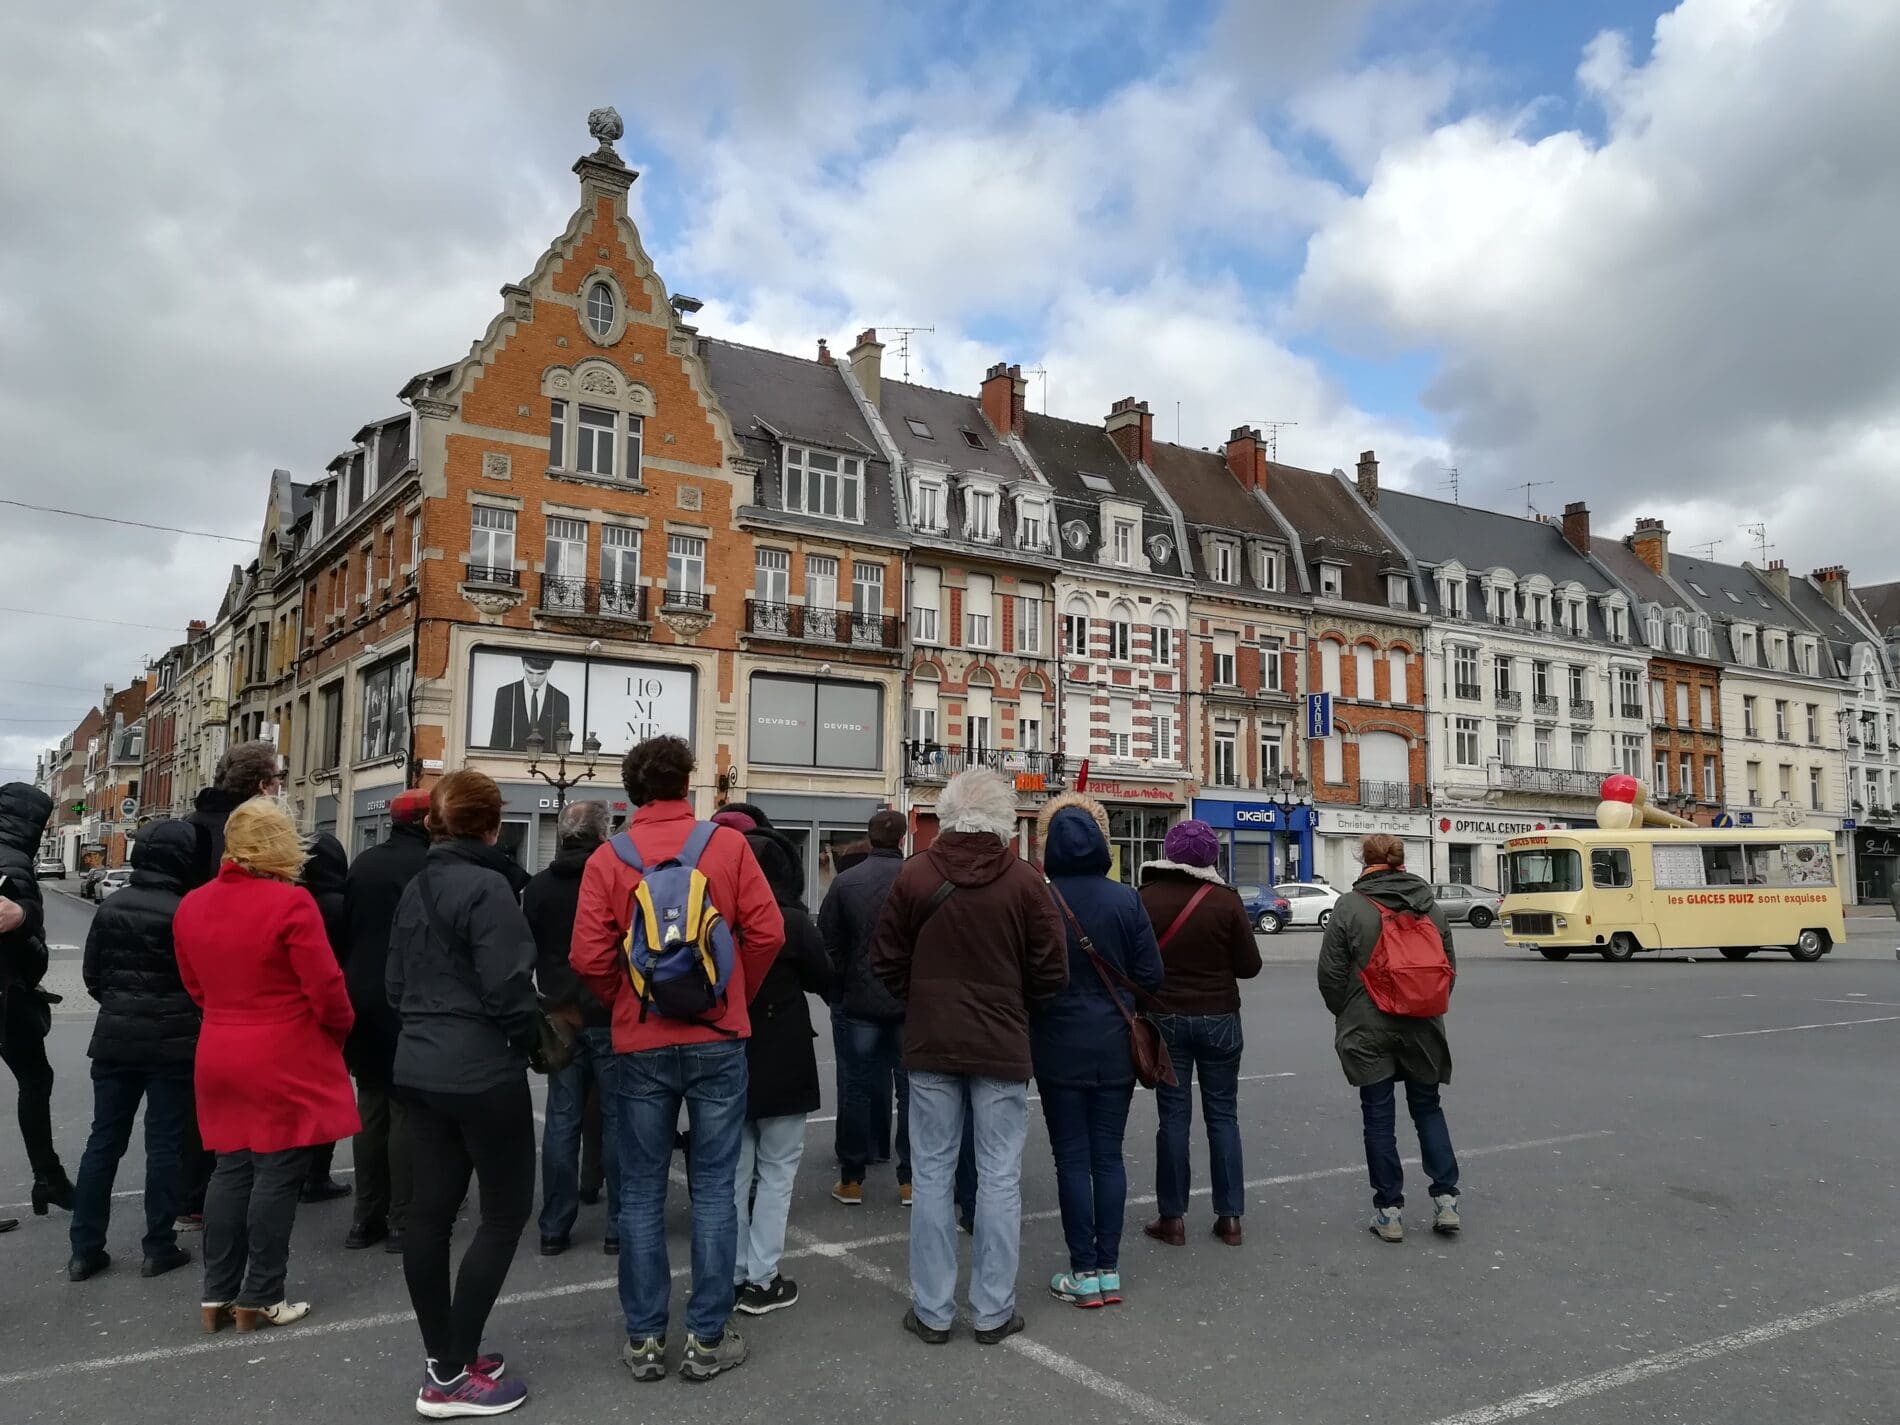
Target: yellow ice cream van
[1614, 893]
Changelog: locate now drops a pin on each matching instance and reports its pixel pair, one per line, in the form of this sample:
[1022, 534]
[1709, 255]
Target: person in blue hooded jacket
[1079, 1043]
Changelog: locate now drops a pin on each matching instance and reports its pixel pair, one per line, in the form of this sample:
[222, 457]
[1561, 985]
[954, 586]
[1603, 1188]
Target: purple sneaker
[469, 1393]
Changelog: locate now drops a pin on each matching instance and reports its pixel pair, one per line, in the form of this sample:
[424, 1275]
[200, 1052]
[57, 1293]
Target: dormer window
[1330, 581]
[1653, 628]
[1124, 542]
[1272, 575]
[1397, 591]
[1454, 596]
[1678, 636]
[1618, 619]
[820, 483]
[981, 522]
[1224, 563]
[1744, 639]
[927, 504]
[1807, 658]
[1703, 639]
[1032, 525]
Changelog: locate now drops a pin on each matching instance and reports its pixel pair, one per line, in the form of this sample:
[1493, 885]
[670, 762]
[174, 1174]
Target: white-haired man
[968, 938]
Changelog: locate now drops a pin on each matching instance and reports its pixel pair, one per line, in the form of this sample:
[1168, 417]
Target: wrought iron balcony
[1470, 692]
[1582, 708]
[1510, 701]
[671, 598]
[487, 574]
[1633, 711]
[1401, 795]
[587, 598]
[1556, 781]
[798, 623]
[938, 762]
[1544, 706]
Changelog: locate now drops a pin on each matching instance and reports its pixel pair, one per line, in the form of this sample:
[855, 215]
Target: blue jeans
[561, 1138]
[1000, 1109]
[1210, 1045]
[871, 1053]
[649, 1087]
[1085, 1133]
[116, 1091]
[1382, 1144]
[769, 1151]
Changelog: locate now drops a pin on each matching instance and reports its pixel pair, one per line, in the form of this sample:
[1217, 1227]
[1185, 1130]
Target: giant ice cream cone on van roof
[1625, 804]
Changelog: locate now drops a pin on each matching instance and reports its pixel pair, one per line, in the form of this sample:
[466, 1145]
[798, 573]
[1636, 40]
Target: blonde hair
[261, 839]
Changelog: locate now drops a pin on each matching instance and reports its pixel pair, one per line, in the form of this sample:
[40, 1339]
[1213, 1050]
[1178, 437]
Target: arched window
[1398, 664]
[1161, 637]
[1120, 631]
[597, 422]
[1075, 627]
[1364, 657]
[1329, 652]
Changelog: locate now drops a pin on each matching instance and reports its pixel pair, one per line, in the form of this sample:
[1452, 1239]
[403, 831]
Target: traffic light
[79, 808]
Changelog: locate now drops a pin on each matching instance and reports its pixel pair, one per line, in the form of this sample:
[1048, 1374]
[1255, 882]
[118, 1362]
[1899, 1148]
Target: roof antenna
[1762, 546]
[1451, 483]
[1272, 429]
[903, 342]
[1708, 550]
[1530, 510]
[1043, 372]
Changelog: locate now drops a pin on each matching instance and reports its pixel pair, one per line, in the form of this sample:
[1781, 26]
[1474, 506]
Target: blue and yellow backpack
[679, 949]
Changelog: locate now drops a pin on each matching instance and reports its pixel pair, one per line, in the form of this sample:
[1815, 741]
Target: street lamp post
[559, 780]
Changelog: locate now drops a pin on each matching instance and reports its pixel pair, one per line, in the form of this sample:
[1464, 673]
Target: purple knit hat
[1191, 843]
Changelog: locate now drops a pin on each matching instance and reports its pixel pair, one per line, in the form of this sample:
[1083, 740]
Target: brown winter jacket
[1213, 949]
[968, 974]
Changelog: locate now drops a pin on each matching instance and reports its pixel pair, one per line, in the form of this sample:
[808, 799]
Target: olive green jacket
[1373, 1045]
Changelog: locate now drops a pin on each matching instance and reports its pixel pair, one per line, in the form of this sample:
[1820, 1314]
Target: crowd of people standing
[265, 1000]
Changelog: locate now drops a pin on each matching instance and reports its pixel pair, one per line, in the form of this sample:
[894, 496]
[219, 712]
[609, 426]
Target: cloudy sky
[1642, 253]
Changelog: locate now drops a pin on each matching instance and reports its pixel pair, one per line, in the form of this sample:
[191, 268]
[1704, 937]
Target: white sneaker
[1445, 1213]
[1385, 1222]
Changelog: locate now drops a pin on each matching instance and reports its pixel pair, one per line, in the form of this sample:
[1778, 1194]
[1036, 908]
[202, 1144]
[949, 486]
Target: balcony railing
[1510, 702]
[1391, 794]
[1544, 706]
[937, 762]
[800, 624]
[1470, 692]
[587, 598]
[1581, 708]
[1633, 711]
[1558, 781]
[671, 598]
[487, 574]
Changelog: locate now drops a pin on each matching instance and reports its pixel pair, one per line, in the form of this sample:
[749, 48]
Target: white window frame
[488, 524]
[980, 515]
[1331, 581]
[1272, 571]
[617, 543]
[1161, 644]
[686, 555]
[1224, 765]
[1466, 735]
[1124, 542]
[1120, 640]
[1272, 665]
[1223, 570]
[1225, 675]
[927, 498]
[1029, 620]
[809, 488]
[594, 441]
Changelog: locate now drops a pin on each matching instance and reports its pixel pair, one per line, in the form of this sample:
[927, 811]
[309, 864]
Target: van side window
[1723, 866]
[1610, 868]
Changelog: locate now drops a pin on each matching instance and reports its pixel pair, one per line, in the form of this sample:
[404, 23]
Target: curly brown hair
[658, 770]
[249, 767]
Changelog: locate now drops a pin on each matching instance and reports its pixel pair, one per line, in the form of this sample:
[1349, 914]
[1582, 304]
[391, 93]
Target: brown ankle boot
[216, 1315]
[1171, 1230]
[1228, 1230]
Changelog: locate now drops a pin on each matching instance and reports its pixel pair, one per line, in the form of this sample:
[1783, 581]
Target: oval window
[600, 308]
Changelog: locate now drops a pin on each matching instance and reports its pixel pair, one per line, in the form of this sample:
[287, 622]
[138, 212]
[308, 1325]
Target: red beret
[412, 805]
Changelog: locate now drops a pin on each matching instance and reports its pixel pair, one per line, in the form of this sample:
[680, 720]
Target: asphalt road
[1679, 1184]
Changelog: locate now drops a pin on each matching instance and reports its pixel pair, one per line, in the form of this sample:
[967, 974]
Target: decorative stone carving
[603, 253]
[1160, 547]
[669, 439]
[604, 124]
[560, 380]
[689, 497]
[687, 624]
[599, 382]
[1075, 534]
[438, 410]
[491, 604]
[496, 465]
[521, 410]
[560, 341]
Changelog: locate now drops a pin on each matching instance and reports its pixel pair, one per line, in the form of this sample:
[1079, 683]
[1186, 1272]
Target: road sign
[1849, 824]
[1319, 714]
[128, 809]
[1722, 818]
[1747, 818]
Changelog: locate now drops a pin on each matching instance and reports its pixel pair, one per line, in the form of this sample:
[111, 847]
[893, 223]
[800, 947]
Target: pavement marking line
[810, 1246]
[1876, 1003]
[1791, 1028]
[1037, 1098]
[1124, 1395]
[140, 1192]
[1554, 1396]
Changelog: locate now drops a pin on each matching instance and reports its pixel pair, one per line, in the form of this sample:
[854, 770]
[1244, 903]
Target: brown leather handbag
[1146, 1048]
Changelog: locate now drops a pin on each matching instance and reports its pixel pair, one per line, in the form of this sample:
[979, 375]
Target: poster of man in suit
[534, 701]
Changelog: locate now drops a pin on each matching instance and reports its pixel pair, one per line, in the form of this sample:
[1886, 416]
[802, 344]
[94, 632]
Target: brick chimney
[1577, 526]
[1369, 478]
[1777, 575]
[1650, 544]
[1247, 457]
[197, 625]
[867, 364]
[1132, 428]
[1005, 397]
[824, 352]
[1833, 582]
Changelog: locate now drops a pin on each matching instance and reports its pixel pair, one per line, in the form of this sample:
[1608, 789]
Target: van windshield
[1541, 872]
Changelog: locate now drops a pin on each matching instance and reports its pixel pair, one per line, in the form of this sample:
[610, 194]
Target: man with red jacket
[662, 1062]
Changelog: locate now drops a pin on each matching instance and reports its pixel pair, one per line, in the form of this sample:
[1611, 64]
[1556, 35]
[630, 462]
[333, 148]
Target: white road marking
[1554, 1396]
[1791, 1028]
[1037, 1098]
[810, 1247]
[1857, 1000]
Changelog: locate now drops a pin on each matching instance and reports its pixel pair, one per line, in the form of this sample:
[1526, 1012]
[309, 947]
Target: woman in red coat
[270, 1077]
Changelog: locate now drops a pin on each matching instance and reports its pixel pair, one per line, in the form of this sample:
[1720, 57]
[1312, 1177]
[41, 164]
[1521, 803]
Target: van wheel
[1481, 918]
[1555, 954]
[1324, 916]
[1812, 945]
[1737, 952]
[1621, 947]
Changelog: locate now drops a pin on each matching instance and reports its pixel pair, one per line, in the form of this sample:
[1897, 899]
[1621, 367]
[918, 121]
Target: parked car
[1475, 905]
[89, 880]
[1310, 902]
[117, 879]
[1268, 912]
[50, 869]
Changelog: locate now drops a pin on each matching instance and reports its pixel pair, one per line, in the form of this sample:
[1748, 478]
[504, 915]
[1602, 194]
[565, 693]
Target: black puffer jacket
[208, 814]
[848, 920]
[326, 876]
[146, 1019]
[24, 810]
[549, 903]
[376, 882]
[781, 1066]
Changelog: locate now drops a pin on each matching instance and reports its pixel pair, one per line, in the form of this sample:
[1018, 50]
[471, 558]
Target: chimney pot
[1369, 478]
[824, 351]
[1650, 544]
[1247, 457]
[867, 365]
[1131, 427]
[1576, 526]
[1005, 398]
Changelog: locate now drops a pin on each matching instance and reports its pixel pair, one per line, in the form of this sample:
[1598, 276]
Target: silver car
[1476, 906]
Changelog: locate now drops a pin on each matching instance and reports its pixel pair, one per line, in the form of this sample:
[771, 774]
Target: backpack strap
[696, 843]
[624, 848]
[1186, 910]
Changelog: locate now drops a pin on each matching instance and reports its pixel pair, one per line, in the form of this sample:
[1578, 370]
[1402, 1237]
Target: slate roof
[770, 396]
[1645, 583]
[1210, 498]
[1066, 450]
[1837, 629]
[1882, 603]
[1329, 519]
[946, 415]
[1732, 592]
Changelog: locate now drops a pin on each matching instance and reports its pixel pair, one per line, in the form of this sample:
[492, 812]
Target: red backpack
[1409, 974]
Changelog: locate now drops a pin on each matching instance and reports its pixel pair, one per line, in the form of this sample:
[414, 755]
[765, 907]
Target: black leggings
[23, 1047]
[490, 1133]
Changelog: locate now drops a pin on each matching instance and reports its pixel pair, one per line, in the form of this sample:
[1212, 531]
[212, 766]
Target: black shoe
[9, 1224]
[52, 1189]
[590, 1197]
[763, 1300]
[159, 1263]
[553, 1246]
[365, 1234]
[324, 1189]
[929, 1335]
[392, 1244]
[998, 1334]
[81, 1268]
[611, 1246]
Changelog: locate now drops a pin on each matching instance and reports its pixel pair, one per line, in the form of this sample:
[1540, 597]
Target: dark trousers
[451, 1135]
[1382, 1144]
[593, 1173]
[250, 1209]
[871, 1052]
[1208, 1044]
[382, 1159]
[116, 1092]
[200, 1163]
[1086, 1126]
[564, 1129]
[23, 1028]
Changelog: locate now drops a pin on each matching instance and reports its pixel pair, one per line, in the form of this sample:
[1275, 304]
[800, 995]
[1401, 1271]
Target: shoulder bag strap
[937, 897]
[1103, 970]
[1186, 911]
[437, 922]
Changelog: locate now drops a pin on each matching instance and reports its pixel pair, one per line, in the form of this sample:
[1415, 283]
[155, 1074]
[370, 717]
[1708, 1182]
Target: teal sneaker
[1081, 1289]
[1111, 1285]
